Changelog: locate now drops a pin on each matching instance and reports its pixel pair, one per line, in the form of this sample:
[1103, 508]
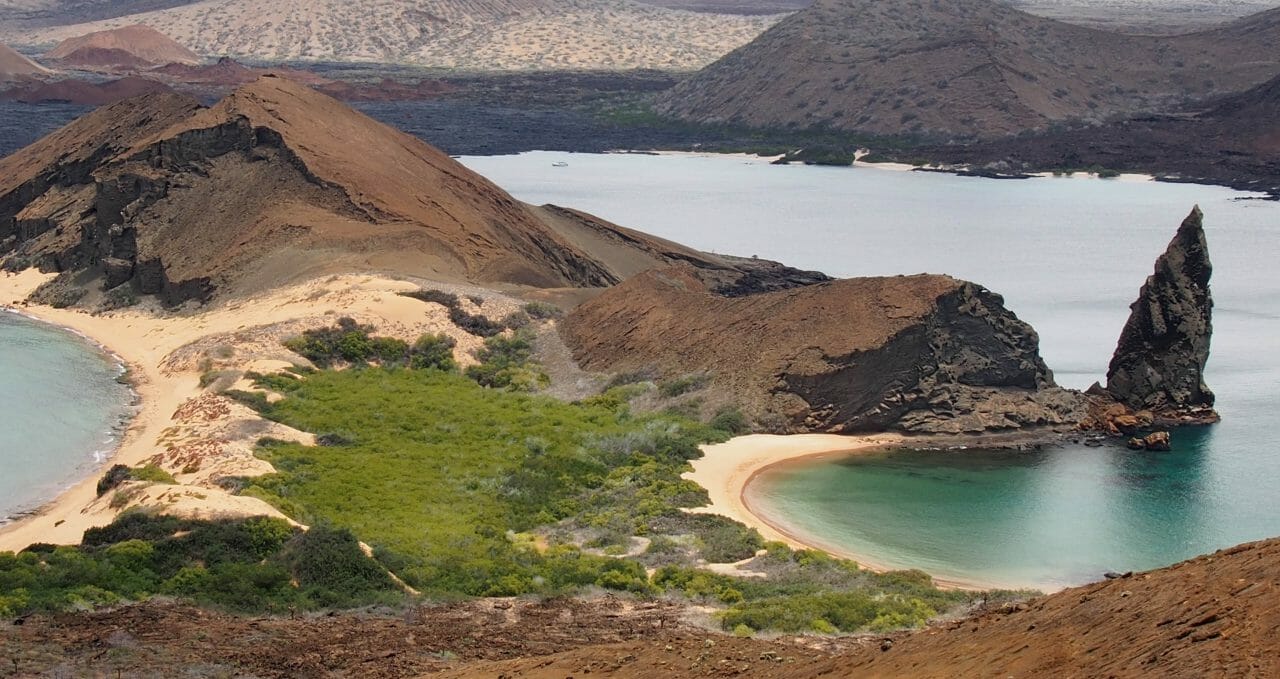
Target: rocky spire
[1159, 362]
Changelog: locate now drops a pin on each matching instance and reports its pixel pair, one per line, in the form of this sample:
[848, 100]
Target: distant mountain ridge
[963, 69]
[466, 34]
[15, 66]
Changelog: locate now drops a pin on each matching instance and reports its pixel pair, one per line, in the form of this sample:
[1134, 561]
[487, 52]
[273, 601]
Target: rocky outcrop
[1159, 363]
[277, 182]
[927, 354]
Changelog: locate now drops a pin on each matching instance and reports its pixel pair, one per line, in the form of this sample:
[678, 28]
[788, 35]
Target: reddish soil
[1213, 616]
[145, 46]
[82, 92]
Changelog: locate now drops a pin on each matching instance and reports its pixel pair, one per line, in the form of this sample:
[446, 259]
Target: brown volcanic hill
[228, 71]
[82, 92]
[1212, 616]
[278, 181]
[129, 47]
[912, 353]
[963, 68]
[15, 66]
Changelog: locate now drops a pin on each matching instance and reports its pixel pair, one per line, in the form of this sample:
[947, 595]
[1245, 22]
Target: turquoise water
[1069, 255]
[60, 411]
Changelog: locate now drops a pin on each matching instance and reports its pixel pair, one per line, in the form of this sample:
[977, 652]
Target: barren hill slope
[138, 46]
[964, 68]
[275, 182]
[1212, 616]
[14, 65]
[474, 34]
[912, 353]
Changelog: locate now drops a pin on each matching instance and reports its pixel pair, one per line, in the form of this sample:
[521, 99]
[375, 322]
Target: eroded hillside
[962, 69]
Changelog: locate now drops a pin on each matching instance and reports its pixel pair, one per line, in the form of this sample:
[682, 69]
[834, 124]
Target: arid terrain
[14, 65]
[964, 69]
[134, 47]
[1212, 616]
[504, 35]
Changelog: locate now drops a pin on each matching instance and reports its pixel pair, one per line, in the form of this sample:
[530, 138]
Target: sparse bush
[433, 352]
[542, 311]
[730, 419]
[506, 363]
[683, 385]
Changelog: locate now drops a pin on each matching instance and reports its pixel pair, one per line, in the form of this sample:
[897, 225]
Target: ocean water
[1069, 255]
[61, 410]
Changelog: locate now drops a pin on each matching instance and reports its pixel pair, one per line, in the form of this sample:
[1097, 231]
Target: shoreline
[116, 433]
[190, 431]
[727, 470]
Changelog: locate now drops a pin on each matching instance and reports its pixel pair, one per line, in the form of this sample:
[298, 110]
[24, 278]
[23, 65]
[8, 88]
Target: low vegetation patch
[466, 484]
[118, 474]
[249, 565]
[475, 324]
[349, 343]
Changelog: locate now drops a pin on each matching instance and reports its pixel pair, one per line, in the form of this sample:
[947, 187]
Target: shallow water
[1069, 255]
[60, 407]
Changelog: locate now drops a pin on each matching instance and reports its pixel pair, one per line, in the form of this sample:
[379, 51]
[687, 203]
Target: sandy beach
[727, 469]
[191, 432]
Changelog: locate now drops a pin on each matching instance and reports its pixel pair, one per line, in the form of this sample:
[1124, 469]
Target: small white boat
[559, 163]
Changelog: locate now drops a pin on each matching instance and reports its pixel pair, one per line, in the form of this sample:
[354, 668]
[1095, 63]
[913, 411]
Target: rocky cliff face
[1159, 363]
[927, 354]
[277, 182]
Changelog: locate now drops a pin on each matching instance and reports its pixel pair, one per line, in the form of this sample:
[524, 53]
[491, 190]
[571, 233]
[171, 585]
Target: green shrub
[151, 473]
[115, 476]
[433, 352]
[247, 565]
[731, 420]
[683, 385]
[506, 363]
[542, 311]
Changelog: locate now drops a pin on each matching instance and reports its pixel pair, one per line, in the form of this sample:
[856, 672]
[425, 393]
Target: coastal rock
[1157, 441]
[928, 354]
[1159, 362]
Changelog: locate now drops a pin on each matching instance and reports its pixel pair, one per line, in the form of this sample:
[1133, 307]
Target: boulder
[116, 271]
[1157, 441]
[1159, 362]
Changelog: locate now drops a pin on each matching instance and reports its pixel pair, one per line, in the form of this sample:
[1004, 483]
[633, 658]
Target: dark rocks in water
[1159, 362]
[1156, 441]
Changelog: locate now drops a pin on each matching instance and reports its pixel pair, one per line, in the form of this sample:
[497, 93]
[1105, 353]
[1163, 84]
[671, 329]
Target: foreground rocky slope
[963, 69]
[914, 353]
[1211, 616]
[278, 182]
[1159, 363]
[466, 34]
